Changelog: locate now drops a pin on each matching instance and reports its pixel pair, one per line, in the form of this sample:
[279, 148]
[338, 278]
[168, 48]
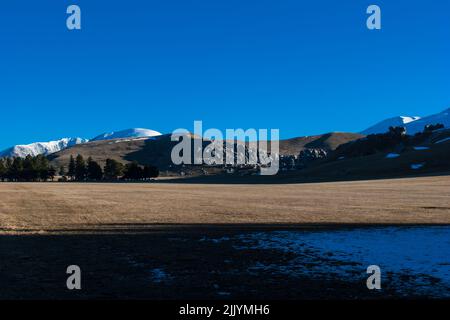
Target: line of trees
[26, 169]
[90, 170]
[37, 168]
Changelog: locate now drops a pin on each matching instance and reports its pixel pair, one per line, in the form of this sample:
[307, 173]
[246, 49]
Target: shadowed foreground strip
[37, 207]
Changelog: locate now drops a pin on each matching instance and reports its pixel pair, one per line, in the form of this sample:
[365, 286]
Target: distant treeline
[26, 169]
[81, 170]
[38, 169]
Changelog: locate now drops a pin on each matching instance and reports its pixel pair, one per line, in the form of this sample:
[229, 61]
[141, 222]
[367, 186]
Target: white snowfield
[412, 124]
[128, 133]
[45, 148]
[407, 120]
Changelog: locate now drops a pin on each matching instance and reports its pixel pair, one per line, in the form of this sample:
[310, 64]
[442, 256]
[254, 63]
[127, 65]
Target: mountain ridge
[127, 133]
[44, 148]
[50, 147]
[413, 124]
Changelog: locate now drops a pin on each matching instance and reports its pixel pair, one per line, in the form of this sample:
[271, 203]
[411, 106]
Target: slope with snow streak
[383, 126]
[45, 148]
[127, 133]
[412, 124]
[418, 125]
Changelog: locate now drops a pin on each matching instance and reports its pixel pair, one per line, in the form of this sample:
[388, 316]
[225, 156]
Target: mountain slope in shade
[418, 125]
[127, 133]
[383, 126]
[412, 124]
[45, 148]
[328, 141]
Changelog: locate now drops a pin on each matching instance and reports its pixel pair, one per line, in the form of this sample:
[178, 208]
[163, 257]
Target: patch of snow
[133, 139]
[417, 166]
[407, 120]
[421, 253]
[421, 148]
[443, 140]
[392, 155]
[128, 133]
[159, 275]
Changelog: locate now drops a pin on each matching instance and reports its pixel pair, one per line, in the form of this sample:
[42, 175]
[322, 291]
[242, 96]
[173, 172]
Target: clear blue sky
[305, 67]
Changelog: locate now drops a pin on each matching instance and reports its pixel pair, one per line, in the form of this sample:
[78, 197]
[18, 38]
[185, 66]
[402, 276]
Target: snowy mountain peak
[383, 126]
[412, 124]
[50, 147]
[406, 119]
[45, 148]
[127, 133]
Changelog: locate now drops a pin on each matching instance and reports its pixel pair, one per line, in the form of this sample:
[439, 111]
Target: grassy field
[188, 241]
[47, 207]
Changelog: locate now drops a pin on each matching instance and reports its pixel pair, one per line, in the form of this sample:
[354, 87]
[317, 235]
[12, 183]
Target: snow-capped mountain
[412, 124]
[418, 125]
[128, 133]
[45, 148]
[383, 126]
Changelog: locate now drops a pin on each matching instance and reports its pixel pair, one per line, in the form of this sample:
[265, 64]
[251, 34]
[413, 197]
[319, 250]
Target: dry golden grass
[36, 207]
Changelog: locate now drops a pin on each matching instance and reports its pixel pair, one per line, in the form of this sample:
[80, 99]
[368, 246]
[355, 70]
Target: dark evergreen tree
[71, 170]
[433, 127]
[51, 172]
[30, 170]
[150, 172]
[113, 169]
[42, 167]
[133, 172]
[8, 165]
[2, 170]
[16, 170]
[80, 168]
[94, 171]
[62, 171]
[397, 133]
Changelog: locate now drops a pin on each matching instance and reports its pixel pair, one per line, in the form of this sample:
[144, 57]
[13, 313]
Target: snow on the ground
[419, 254]
[417, 166]
[159, 275]
[128, 133]
[392, 155]
[421, 148]
[443, 140]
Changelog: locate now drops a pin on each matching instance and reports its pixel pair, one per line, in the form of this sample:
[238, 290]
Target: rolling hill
[157, 150]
